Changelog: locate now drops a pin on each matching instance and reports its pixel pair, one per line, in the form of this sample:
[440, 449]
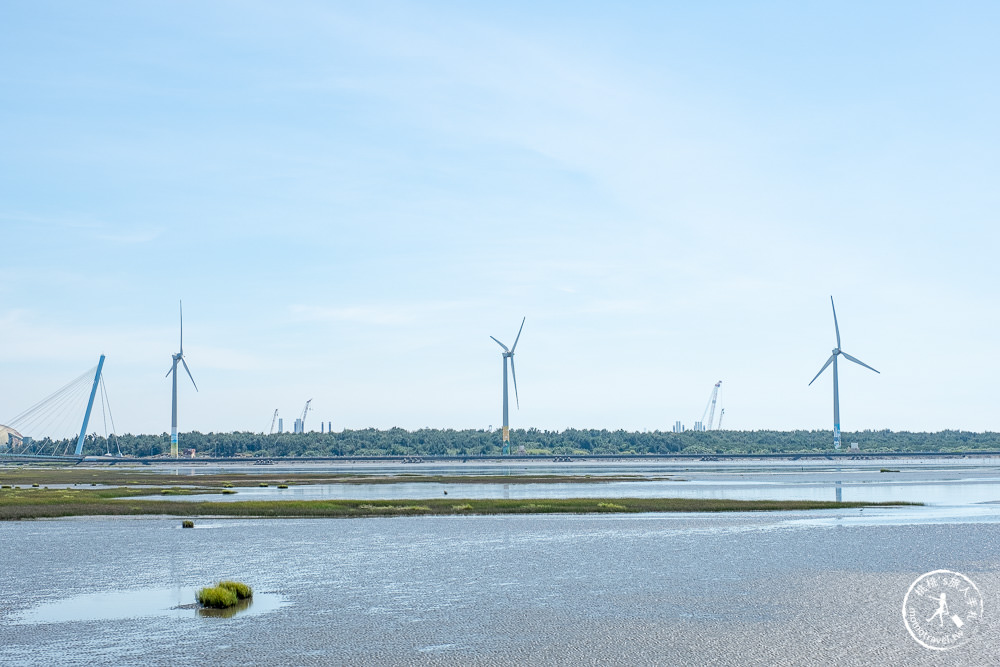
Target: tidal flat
[250, 475]
[792, 588]
[614, 586]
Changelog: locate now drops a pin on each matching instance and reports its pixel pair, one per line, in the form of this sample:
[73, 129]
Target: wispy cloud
[374, 314]
[124, 234]
[224, 358]
[132, 236]
[49, 221]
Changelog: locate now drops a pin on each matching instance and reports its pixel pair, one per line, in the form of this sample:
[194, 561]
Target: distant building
[698, 426]
[281, 425]
[678, 427]
[854, 446]
[297, 427]
[9, 438]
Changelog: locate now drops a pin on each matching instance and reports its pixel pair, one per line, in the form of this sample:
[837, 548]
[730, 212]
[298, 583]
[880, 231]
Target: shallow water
[500, 468]
[932, 482]
[801, 587]
[121, 605]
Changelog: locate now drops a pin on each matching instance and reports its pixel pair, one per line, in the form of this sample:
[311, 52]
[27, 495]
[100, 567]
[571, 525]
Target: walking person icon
[942, 610]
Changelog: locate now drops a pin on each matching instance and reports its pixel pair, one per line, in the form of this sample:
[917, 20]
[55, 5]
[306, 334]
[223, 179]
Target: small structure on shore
[10, 438]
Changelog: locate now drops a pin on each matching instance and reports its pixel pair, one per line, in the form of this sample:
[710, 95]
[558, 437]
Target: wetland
[555, 580]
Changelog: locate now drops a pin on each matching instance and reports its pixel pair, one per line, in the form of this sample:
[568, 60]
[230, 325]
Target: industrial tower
[710, 408]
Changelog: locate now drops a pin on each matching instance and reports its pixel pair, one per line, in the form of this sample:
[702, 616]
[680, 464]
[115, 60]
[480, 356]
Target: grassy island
[116, 492]
[224, 594]
[49, 503]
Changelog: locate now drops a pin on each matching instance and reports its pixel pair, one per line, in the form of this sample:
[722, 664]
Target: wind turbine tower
[836, 382]
[173, 371]
[509, 354]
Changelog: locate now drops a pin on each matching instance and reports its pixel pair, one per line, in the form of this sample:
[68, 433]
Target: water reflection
[122, 605]
[228, 612]
[866, 488]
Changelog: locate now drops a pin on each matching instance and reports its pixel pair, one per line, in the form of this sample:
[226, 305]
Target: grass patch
[462, 508]
[228, 492]
[887, 470]
[216, 597]
[612, 507]
[282, 486]
[241, 590]
[408, 509]
[533, 508]
[187, 523]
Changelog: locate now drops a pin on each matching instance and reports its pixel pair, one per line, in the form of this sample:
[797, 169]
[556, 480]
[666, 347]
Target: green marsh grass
[118, 501]
[241, 590]
[216, 597]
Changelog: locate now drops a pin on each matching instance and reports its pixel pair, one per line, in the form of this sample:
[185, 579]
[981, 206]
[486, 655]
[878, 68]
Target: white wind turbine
[173, 405]
[836, 387]
[509, 354]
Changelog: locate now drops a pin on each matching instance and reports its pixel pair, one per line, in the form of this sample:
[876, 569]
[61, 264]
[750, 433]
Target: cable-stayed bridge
[56, 426]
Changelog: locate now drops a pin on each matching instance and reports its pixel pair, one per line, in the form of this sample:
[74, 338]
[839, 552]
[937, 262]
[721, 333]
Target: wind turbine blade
[169, 372]
[189, 374]
[181, 304]
[501, 345]
[514, 346]
[858, 361]
[837, 328]
[514, 375]
[828, 362]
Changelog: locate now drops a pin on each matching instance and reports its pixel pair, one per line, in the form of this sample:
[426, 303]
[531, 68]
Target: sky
[351, 198]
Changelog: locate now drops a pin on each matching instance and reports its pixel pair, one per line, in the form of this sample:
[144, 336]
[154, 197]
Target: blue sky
[350, 198]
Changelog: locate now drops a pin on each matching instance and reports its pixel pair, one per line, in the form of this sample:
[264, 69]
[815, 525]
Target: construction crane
[274, 420]
[710, 408]
[304, 411]
[721, 415]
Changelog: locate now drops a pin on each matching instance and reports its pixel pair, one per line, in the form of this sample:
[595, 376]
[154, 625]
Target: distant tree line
[570, 442]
